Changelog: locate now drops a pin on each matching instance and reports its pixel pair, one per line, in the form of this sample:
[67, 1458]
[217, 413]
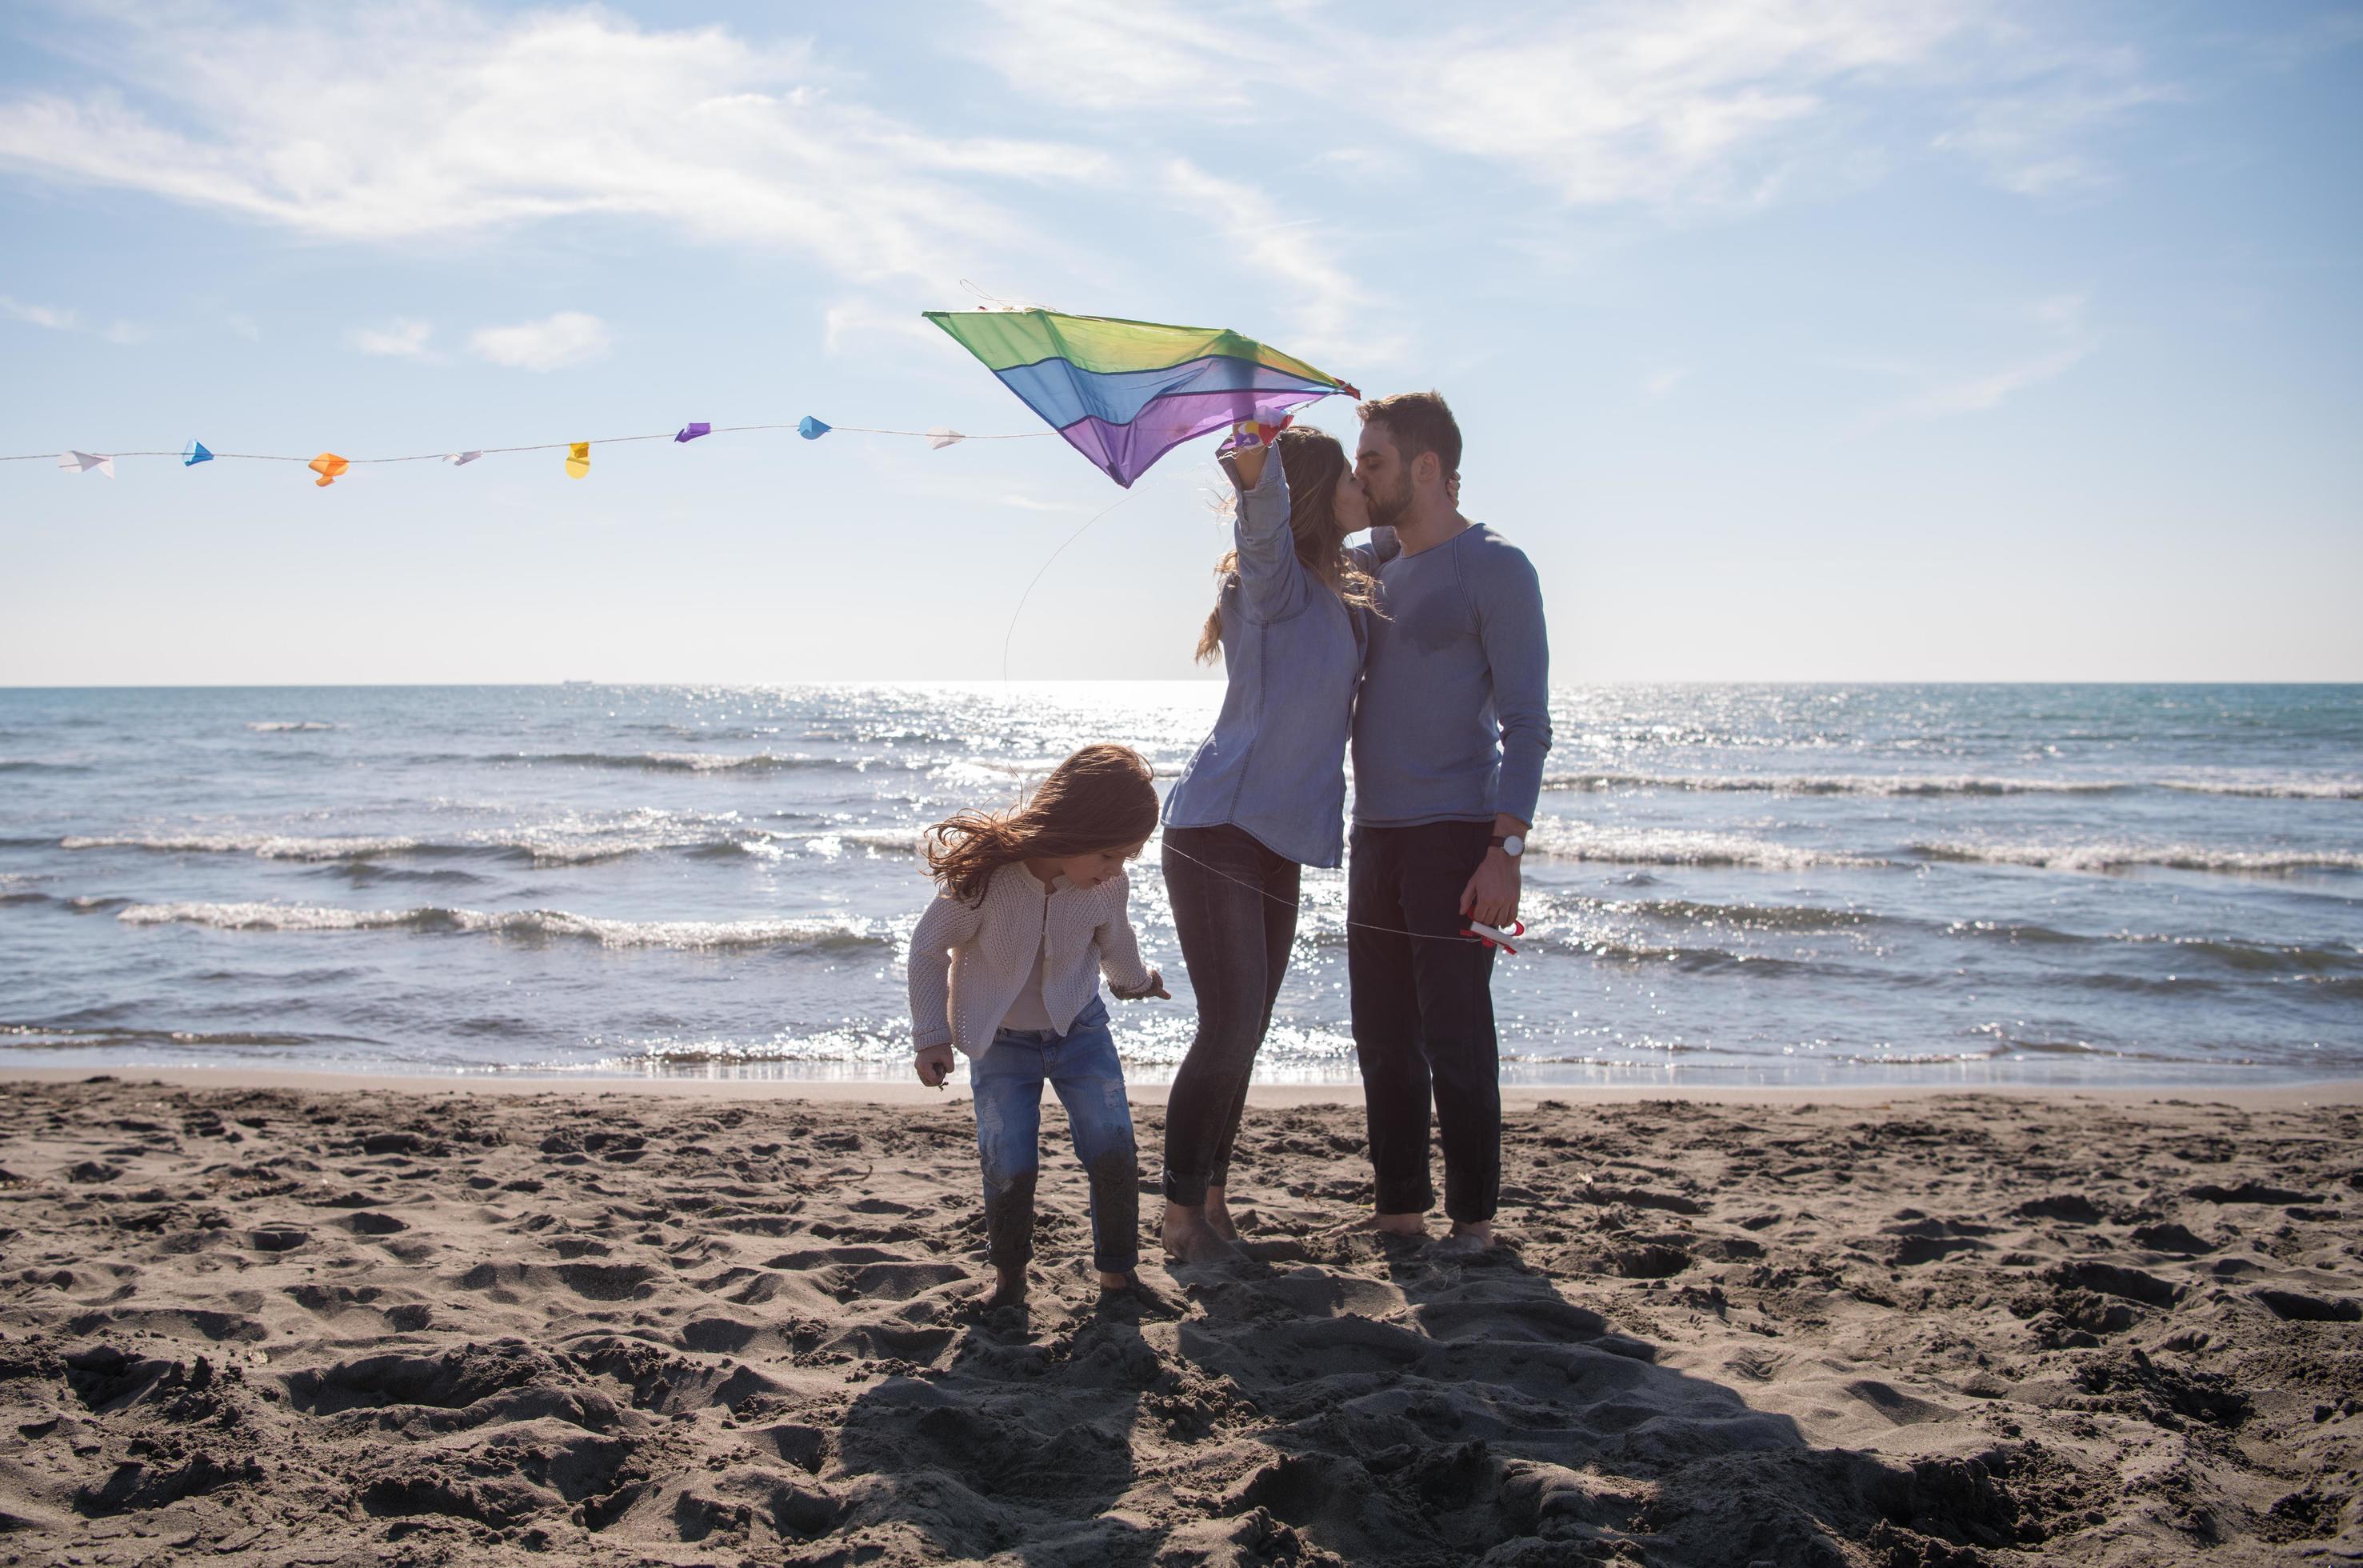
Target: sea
[1807, 885]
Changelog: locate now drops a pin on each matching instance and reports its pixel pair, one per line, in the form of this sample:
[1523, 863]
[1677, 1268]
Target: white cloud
[1975, 394]
[2036, 142]
[435, 120]
[568, 338]
[123, 332]
[50, 317]
[1667, 102]
[1281, 251]
[2060, 317]
[402, 340]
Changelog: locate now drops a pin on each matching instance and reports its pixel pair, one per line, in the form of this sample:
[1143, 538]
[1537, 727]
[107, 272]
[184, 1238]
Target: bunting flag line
[811, 428]
[578, 459]
[1126, 393]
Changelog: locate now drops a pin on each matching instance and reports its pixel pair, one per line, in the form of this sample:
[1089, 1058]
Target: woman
[1264, 797]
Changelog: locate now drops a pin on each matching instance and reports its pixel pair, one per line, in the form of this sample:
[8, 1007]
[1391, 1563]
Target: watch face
[1514, 846]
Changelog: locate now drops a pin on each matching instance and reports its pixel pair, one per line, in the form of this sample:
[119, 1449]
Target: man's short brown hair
[1419, 422]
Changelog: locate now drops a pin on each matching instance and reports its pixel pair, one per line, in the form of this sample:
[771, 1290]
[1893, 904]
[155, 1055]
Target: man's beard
[1387, 511]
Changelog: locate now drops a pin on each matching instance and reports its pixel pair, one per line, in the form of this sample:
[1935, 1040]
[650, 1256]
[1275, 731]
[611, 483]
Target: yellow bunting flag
[328, 465]
[578, 460]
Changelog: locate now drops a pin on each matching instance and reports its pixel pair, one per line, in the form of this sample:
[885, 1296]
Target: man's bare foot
[1218, 1216]
[1190, 1238]
[1467, 1238]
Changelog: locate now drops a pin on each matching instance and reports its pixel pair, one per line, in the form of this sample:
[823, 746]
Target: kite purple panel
[1126, 451]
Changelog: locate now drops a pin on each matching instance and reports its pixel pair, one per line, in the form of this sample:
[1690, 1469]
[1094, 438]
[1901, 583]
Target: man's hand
[1156, 987]
[934, 1065]
[1492, 896]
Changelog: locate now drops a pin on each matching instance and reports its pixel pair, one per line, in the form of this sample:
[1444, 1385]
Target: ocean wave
[1833, 784]
[68, 1037]
[283, 726]
[1678, 846]
[678, 762]
[557, 843]
[269, 846]
[36, 765]
[2112, 856]
[2271, 789]
[828, 935]
[2236, 952]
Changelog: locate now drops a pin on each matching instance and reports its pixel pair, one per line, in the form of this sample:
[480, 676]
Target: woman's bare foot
[1191, 1238]
[1009, 1288]
[1218, 1216]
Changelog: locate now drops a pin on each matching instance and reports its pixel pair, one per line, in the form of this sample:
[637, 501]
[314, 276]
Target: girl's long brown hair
[1314, 462]
[1100, 798]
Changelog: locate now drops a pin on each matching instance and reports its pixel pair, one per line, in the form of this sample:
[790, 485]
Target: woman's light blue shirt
[1275, 765]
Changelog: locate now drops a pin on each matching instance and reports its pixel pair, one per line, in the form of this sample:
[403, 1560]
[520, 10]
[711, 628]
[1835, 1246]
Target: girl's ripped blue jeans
[1080, 1066]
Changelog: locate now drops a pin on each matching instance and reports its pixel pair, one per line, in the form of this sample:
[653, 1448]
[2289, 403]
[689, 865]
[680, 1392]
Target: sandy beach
[324, 1321]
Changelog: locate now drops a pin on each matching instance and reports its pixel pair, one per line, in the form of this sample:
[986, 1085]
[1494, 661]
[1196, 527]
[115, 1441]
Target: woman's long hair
[1100, 798]
[1314, 462]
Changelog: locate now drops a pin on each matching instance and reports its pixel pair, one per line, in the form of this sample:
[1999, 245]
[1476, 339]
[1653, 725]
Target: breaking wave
[2109, 856]
[679, 761]
[1832, 784]
[526, 924]
[1678, 846]
[282, 726]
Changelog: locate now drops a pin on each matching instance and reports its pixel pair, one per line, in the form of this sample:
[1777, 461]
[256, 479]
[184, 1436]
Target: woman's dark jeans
[1235, 910]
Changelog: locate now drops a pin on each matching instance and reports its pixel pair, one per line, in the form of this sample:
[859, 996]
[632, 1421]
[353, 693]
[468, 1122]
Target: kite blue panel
[1063, 394]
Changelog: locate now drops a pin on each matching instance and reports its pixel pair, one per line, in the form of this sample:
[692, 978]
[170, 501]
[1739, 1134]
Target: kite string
[1167, 848]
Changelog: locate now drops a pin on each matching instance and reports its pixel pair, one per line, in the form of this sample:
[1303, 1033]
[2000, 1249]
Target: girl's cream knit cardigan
[969, 961]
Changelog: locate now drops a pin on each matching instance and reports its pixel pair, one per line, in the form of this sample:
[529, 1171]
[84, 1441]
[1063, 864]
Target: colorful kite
[694, 429]
[578, 459]
[193, 454]
[328, 465]
[1126, 393]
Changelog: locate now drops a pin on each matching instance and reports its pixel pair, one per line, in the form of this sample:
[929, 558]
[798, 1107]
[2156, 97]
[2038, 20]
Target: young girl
[1005, 965]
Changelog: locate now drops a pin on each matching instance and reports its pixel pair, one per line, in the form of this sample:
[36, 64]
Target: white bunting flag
[82, 463]
[456, 459]
[939, 438]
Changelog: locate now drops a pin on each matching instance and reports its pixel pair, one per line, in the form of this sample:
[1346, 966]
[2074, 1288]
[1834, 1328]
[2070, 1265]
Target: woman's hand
[1245, 465]
[934, 1065]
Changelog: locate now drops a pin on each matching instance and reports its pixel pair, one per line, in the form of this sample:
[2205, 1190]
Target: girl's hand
[934, 1065]
[1156, 987]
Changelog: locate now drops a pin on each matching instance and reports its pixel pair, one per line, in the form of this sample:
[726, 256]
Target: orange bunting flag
[328, 465]
[578, 460]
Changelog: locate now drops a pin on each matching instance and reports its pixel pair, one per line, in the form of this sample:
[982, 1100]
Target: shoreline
[884, 1092]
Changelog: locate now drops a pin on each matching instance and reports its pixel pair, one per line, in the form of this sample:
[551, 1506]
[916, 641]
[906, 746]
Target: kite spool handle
[1496, 939]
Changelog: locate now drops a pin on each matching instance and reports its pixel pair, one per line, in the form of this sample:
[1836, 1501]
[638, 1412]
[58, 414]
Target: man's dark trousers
[1423, 1009]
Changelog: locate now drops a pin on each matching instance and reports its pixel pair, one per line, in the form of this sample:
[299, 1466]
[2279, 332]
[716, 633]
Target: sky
[1792, 340]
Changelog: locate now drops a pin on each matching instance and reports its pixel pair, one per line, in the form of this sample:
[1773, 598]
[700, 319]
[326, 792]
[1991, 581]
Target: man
[1450, 734]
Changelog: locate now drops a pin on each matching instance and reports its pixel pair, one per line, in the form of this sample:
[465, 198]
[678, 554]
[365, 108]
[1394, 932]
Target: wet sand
[317, 1322]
